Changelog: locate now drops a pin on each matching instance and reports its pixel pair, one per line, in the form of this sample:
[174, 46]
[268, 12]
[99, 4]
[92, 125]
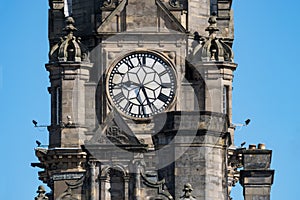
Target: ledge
[256, 177]
[193, 120]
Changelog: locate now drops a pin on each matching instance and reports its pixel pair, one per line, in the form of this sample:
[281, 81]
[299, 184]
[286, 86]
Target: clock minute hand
[147, 99]
[139, 99]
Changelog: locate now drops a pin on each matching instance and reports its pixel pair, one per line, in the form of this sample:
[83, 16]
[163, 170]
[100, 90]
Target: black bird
[38, 143]
[243, 144]
[247, 122]
[34, 122]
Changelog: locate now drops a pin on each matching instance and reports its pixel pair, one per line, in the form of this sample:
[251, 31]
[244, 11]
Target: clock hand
[130, 83]
[140, 100]
[137, 92]
[147, 98]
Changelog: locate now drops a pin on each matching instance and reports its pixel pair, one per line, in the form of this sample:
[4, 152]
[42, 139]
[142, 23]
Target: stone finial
[187, 192]
[70, 25]
[41, 193]
[212, 28]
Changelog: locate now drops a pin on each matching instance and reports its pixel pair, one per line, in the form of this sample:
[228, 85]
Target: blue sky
[265, 89]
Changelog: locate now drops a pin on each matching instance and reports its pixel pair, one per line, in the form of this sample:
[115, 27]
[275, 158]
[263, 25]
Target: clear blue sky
[265, 89]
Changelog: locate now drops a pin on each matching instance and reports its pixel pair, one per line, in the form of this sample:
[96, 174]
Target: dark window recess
[58, 105]
[214, 7]
[71, 52]
[117, 187]
[225, 99]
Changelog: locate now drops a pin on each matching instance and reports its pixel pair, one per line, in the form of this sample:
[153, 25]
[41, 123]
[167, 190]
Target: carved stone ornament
[159, 185]
[107, 3]
[69, 48]
[110, 132]
[212, 48]
[187, 192]
[175, 4]
[41, 193]
[118, 137]
[69, 194]
[110, 4]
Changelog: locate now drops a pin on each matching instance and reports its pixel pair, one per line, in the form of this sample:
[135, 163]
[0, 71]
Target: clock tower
[141, 95]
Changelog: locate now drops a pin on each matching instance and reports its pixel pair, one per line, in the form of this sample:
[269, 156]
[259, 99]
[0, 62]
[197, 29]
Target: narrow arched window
[71, 52]
[58, 105]
[225, 99]
[117, 189]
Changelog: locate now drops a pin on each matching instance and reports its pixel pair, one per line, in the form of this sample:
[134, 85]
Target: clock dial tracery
[141, 85]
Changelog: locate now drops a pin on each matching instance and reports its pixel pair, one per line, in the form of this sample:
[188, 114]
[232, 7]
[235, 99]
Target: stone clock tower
[141, 103]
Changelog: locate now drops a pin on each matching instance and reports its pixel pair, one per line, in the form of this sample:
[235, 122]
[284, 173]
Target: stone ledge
[256, 177]
[191, 121]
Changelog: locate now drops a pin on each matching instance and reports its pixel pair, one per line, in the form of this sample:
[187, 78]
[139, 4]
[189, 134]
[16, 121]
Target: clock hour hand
[128, 84]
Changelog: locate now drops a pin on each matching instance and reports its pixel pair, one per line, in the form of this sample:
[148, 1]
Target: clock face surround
[141, 85]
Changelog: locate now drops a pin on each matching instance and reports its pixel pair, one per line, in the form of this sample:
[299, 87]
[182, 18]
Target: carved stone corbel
[159, 185]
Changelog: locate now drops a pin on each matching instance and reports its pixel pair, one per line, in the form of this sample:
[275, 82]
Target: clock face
[141, 85]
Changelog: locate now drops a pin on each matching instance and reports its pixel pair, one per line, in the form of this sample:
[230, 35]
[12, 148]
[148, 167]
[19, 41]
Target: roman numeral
[163, 73]
[119, 97]
[128, 107]
[116, 86]
[142, 110]
[117, 72]
[141, 59]
[155, 60]
[128, 62]
[166, 85]
[153, 108]
[164, 98]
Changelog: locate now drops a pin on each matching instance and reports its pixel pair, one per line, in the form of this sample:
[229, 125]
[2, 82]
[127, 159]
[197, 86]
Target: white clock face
[141, 85]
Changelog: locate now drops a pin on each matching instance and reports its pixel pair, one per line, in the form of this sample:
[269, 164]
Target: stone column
[104, 186]
[126, 187]
[138, 170]
[257, 177]
[93, 180]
